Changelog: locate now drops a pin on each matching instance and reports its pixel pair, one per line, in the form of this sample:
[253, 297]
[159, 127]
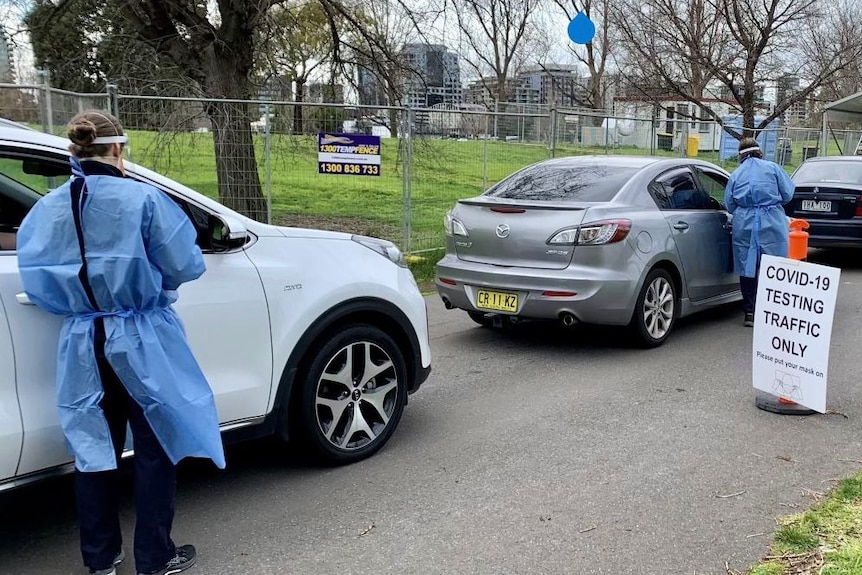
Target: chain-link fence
[261, 157]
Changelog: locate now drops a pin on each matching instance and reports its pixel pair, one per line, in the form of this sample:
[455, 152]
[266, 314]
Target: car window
[713, 183]
[22, 183]
[832, 172]
[25, 177]
[556, 182]
[677, 190]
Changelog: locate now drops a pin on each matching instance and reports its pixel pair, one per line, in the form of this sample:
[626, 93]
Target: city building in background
[324, 93]
[433, 77]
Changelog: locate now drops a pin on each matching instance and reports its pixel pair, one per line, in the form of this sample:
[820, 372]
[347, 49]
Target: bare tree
[668, 45]
[838, 31]
[295, 43]
[497, 35]
[595, 55]
[742, 45]
[372, 37]
[216, 50]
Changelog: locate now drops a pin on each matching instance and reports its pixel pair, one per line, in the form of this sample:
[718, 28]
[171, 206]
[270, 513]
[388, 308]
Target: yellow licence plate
[497, 301]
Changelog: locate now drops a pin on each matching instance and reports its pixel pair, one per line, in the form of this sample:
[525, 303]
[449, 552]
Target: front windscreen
[562, 183]
[832, 172]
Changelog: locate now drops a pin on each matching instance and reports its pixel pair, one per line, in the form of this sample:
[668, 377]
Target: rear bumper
[602, 296]
[841, 233]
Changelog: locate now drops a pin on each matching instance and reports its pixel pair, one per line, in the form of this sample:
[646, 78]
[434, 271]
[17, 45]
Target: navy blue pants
[98, 494]
[748, 287]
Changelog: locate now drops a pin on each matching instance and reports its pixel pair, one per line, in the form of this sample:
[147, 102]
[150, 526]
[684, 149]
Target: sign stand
[766, 401]
[769, 402]
[792, 331]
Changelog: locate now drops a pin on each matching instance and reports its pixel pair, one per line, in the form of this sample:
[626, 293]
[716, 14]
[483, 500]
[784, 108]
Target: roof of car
[617, 161]
[21, 133]
[835, 158]
[6, 123]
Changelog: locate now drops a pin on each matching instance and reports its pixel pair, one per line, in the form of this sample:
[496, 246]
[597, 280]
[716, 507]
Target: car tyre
[655, 309]
[352, 395]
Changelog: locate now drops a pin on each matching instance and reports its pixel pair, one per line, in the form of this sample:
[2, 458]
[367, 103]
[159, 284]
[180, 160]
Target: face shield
[121, 141]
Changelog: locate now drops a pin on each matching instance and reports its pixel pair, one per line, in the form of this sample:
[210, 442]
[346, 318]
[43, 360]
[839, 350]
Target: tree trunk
[299, 98]
[748, 119]
[236, 166]
[392, 100]
[749, 99]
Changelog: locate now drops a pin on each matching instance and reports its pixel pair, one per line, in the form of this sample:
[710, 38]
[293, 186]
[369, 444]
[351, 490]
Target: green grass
[442, 172]
[423, 268]
[826, 539]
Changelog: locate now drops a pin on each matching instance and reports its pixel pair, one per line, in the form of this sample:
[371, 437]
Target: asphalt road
[534, 450]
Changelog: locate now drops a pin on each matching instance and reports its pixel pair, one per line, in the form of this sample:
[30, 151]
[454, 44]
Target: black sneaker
[120, 557]
[749, 320]
[184, 559]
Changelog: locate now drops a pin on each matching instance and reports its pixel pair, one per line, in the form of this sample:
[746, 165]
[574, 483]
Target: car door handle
[23, 299]
[681, 226]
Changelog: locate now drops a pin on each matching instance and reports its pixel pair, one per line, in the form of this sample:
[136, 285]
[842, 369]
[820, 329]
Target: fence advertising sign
[792, 329]
[348, 154]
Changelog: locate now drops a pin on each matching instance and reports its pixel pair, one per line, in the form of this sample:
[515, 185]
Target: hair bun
[82, 132]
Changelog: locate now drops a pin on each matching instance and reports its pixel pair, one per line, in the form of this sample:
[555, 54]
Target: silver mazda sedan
[614, 240]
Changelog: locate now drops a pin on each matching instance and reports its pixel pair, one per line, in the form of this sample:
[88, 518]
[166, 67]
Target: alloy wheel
[658, 308]
[356, 395]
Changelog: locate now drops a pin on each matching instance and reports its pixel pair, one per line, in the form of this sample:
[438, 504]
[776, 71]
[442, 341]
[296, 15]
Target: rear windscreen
[830, 173]
[582, 183]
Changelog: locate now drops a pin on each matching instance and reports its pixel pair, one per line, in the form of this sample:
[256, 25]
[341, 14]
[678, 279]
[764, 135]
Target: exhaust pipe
[447, 304]
[567, 319]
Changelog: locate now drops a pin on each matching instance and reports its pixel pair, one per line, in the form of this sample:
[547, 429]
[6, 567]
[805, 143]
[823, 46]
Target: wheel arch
[675, 275]
[372, 311]
[671, 268]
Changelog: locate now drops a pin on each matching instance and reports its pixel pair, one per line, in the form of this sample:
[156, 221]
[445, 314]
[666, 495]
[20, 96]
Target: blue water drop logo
[581, 29]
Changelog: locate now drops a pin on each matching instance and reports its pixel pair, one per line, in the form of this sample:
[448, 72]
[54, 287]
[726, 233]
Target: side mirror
[227, 232]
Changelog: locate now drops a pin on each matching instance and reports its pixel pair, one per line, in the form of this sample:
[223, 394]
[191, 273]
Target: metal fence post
[46, 110]
[485, 153]
[552, 144]
[267, 153]
[683, 140]
[607, 122]
[113, 100]
[406, 179]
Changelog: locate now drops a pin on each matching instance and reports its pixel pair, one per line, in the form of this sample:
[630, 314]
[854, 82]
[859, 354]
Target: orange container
[798, 240]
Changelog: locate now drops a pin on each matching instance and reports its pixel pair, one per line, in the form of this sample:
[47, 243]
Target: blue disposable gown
[755, 194]
[139, 248]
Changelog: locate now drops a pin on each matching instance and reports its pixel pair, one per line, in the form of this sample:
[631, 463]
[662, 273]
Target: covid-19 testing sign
[793, 328]
[348, 154]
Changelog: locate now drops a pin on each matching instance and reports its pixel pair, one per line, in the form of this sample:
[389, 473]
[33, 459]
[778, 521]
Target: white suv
[311, 335]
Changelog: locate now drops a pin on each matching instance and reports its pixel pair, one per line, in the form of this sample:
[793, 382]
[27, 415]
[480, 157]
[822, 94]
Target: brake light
[593, 234]
[447, 281]
[501, 210]
[858, 212]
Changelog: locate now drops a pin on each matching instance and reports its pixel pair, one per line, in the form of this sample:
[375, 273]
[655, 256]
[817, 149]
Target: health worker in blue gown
[108, 253]
[755, 196]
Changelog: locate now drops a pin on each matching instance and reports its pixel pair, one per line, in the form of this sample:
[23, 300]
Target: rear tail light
[559, 294]
[447, 281]
[453, 227]
[593, 234]
[858, 212]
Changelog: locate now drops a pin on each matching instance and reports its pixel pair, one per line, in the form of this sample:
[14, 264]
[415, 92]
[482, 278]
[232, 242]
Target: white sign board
[792, 329]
